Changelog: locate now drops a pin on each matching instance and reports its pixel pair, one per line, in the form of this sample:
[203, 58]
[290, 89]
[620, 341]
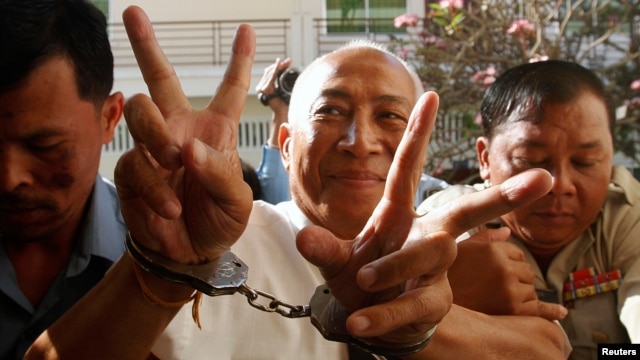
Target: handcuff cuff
[228, 274]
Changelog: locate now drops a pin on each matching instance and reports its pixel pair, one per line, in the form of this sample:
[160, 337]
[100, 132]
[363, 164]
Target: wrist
[169, 291]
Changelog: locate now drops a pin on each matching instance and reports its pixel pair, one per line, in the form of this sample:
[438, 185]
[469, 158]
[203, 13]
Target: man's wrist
[265, 98]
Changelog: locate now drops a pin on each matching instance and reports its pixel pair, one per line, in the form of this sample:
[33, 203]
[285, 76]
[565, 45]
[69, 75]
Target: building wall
[199, 83]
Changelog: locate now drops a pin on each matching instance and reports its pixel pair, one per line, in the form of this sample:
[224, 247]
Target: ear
[110, 115]
[284, 141]
[482, 149]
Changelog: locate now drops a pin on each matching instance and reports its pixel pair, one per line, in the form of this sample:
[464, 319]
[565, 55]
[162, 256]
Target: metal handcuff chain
[228, 275]
[223, 276]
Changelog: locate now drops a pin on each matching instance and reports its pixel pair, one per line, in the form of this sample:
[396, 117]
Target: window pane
[345, 15]
[102, 5]
[363, 15]
[387, 10]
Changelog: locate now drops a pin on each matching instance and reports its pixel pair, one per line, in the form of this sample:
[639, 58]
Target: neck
[37, 263]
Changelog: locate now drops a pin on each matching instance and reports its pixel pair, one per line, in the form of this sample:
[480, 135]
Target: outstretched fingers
[475, 209]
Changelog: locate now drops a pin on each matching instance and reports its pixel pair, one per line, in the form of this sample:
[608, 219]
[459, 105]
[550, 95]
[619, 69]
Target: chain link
[275, 305]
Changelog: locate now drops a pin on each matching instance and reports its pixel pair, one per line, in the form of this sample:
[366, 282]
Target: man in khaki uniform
[581, 239]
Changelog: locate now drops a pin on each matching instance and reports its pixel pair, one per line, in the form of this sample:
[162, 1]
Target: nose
[361, 137]
[563, 183]
[13, 170]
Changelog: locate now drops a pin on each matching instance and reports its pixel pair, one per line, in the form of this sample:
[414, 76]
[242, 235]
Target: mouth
[21, 214]
[555, 216]
[358, 176]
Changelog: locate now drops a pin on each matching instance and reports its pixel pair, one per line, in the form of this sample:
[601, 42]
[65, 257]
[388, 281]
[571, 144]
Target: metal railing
[204, 43]
[208, 43]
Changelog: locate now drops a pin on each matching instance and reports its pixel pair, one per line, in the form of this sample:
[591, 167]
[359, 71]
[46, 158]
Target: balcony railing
[204, 43]
[208, 43]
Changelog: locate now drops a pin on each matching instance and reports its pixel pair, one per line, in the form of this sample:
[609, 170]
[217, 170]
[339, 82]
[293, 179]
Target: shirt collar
[295, 215]
[103, 229]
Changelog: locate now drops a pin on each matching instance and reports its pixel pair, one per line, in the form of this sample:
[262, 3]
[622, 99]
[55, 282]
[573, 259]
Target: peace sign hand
[392, 276]
[181, 187]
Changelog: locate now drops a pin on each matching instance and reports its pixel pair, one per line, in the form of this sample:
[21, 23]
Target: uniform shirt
[231, 328]
[612, 242]
[101, 242]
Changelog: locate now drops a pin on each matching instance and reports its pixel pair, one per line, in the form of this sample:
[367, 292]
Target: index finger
[160, 77]
[410, 156]
[475, 209]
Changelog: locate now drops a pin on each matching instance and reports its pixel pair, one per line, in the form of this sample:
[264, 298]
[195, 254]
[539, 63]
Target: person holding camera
[274, 90]
[274, 181]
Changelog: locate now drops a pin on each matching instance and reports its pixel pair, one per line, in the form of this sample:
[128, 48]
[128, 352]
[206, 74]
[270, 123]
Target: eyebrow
[538, 144]
[337, 93]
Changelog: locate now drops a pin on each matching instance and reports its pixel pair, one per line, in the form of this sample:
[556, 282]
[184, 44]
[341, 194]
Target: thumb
[551, 311]
[492, 235]
[321, 248]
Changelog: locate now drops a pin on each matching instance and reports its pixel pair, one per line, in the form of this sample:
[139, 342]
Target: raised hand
[187, 199]
[392, 276]
[267, 83]
[492, 276]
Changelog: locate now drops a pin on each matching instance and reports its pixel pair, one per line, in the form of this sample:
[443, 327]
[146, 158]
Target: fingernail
[199, 152]
[368, 277]
[360, 323]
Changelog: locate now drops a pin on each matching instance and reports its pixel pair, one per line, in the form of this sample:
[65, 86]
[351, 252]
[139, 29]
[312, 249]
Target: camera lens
[285, 81]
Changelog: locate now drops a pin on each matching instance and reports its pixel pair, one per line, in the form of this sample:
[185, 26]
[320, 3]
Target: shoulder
[624, 185]
[621, 210]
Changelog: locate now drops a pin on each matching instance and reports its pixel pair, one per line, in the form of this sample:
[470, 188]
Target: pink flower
[405, 20]
[453, 4]
[488, 80]
[633, 104]
[521, 26]
[635, 85]
[403, 53]
[478, 119]
[485, 77]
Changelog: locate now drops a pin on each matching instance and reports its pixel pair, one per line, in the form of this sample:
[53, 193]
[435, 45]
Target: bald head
[348, 112]
[354, 51]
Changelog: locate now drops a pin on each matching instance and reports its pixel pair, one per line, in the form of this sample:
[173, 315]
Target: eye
[391, 115]
[523, 162]
[41, 148]
[584, 163]
[329, 110]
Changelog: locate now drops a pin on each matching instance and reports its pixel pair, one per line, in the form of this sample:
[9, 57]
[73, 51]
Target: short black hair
[525, 88]
[34, 31]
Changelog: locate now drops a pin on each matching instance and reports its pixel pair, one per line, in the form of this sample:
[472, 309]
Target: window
[102, 5]
[363, 15]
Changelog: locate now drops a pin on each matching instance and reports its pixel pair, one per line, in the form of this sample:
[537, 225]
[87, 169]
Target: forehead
[583, 119]
[47, 98]
[363, 67]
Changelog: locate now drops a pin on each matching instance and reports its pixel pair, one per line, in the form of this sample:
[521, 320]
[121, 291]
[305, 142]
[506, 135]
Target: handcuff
[228, 275]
